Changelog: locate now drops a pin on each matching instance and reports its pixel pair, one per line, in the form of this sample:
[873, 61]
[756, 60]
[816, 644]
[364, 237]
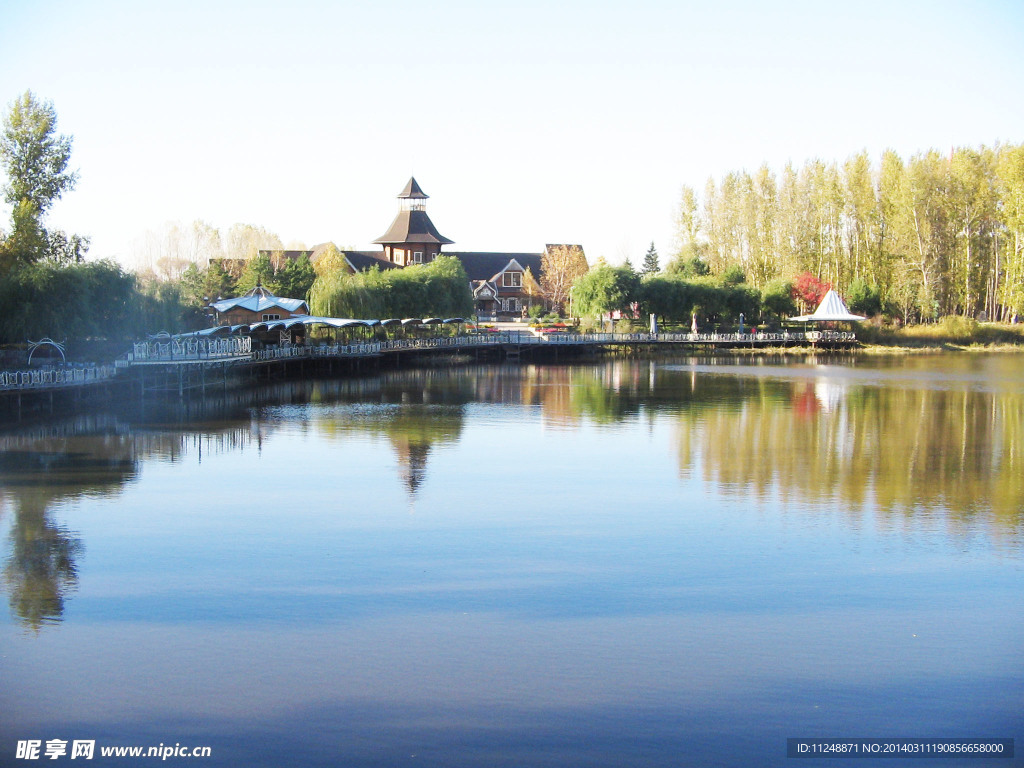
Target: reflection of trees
[779, 431]
[41, 570]
[905, 450]
[35, 474]
[909, 448]
[48, 465]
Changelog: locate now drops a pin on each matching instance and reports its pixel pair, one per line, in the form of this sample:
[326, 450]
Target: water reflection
[909, 452]
[916, 442]
[37, 471]
[41, 570]
[45, 466]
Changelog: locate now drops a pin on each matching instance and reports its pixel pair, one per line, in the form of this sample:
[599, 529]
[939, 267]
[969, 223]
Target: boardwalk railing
[190, 349]
[55, 377]
[281, 353]
[347, 350]
[241, 347]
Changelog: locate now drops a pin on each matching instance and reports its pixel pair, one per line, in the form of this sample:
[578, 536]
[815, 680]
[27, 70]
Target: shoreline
[30, 404]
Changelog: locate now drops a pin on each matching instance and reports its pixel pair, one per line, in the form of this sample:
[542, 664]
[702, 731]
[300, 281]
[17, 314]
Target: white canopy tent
[832, 308]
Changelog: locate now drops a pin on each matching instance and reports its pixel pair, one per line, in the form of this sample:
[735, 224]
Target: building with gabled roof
[503, 284]
[257, 305]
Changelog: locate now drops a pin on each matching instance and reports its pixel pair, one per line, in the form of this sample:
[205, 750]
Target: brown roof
[412, 191]
[362, 261]
[412, 227]
[485, 265]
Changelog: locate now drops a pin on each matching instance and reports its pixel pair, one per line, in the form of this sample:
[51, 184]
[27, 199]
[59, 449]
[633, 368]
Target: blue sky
[526, 122]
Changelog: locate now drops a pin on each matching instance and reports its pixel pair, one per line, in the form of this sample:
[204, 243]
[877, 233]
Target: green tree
[650, 266]
[27, 241]
[864, 298]
[35, 159]
[96, 300]
[200, 287]
[437, 289]
[258, 271]
[690, 267]
[777, 299]
[605, 289]
[296, 278]
[734, 275]
[33, 155]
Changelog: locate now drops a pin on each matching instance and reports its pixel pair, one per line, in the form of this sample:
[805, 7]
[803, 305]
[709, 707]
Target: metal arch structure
[47, 342]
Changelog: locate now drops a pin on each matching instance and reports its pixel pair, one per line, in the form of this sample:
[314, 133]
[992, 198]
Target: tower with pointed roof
[412, 237]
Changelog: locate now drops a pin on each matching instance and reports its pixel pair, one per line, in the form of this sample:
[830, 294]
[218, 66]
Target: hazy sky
[526, 122]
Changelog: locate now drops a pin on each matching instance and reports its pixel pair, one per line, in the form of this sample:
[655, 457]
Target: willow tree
[437, 289]
[605, 289]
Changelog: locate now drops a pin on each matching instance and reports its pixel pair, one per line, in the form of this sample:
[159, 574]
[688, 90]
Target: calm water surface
[631, 563]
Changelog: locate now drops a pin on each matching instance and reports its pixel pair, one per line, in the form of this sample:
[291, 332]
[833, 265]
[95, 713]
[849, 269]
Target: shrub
[864, 299]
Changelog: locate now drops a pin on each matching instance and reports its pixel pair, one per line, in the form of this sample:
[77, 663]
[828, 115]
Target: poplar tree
[35, 159]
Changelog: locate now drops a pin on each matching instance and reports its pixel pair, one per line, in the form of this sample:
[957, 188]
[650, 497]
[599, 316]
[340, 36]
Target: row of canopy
[333, 322]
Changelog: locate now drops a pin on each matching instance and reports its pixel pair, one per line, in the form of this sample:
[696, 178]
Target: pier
[190, 363]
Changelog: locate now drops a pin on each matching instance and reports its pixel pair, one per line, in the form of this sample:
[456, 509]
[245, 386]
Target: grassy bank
[954, 333]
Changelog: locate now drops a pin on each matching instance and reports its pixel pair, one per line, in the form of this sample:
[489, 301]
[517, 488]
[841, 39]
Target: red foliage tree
[810, 290]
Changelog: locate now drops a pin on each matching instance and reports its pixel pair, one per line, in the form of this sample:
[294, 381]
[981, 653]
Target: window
[417, 257]
[271, 317]
[512, 279]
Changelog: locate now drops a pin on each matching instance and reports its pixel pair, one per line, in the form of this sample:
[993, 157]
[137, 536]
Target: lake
[671, 562]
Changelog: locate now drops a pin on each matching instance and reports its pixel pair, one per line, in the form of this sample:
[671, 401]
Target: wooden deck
[190, 363]
[219, 350]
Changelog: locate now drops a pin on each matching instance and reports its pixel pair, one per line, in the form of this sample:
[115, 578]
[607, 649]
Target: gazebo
[831, 309]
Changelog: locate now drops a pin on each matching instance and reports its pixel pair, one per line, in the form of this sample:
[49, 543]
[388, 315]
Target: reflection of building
[412, 461]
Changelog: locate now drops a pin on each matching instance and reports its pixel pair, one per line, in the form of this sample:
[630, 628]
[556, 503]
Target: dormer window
[512, 279]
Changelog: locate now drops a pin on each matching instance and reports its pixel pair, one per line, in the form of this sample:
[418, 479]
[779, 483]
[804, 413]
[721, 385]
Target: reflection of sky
[554, 597]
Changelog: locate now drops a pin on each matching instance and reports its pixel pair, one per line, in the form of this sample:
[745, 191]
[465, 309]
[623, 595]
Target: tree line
[437, 289]
[917, 239]
[937, 234]
[47, 288]
[686, 294]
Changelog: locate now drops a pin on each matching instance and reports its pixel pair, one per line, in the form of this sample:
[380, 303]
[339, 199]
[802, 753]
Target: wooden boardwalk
[219, 350]
[192, 362]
